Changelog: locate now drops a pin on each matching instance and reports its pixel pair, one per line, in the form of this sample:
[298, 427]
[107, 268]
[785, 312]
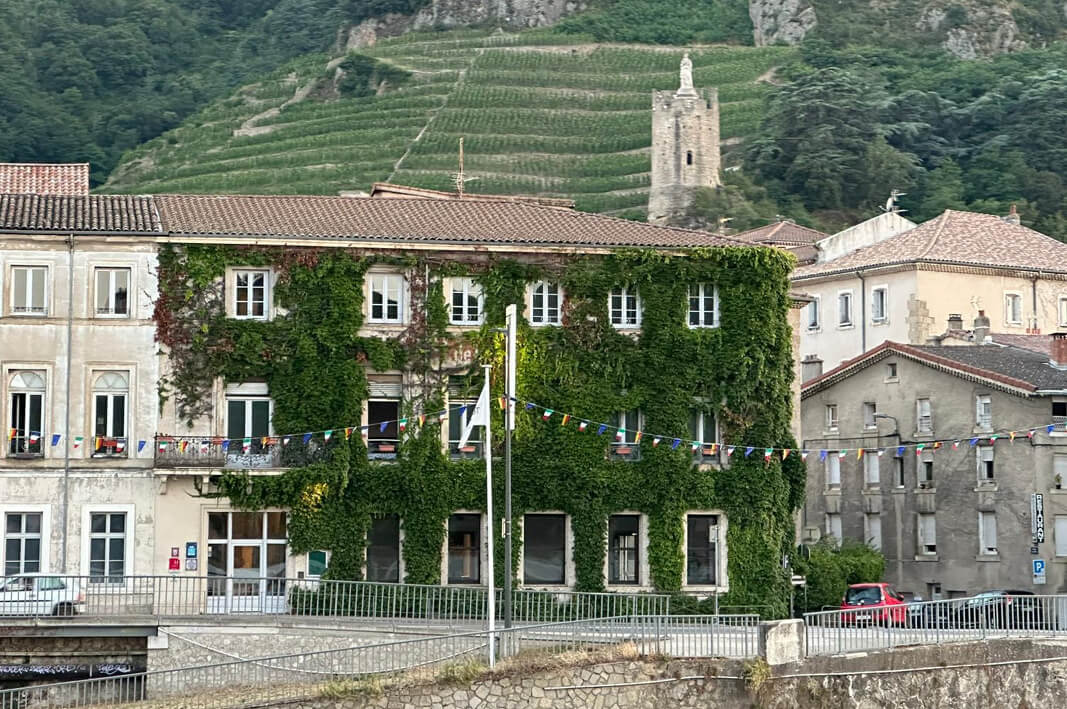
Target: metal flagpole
[511, 314]
[489, 516]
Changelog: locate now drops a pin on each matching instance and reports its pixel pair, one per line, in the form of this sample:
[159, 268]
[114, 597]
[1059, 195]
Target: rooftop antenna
[460, 178]
[722, 224]
[891, 203]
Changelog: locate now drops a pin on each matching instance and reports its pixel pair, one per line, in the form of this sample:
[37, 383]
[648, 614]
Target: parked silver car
[40, 594]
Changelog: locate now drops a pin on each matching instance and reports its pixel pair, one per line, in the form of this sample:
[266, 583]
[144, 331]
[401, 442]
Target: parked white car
[40, 594]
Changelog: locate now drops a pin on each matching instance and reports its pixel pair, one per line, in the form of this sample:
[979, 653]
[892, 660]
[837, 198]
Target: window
[28, 293]
[466, 302]
[383, 549]
[1059, 469]
[250, 295]
[1062, 310]
[987, 533]
[1059, 413]
[459, 412]
[891, 371]
[688, 157]
[318, 563]
[984, 454]
[924, 420]
[544, 543]
[246, 555]
[22, 543]
[844, 309]
[831, 417]
[813, 315]
[833, 525]
[107, 547]
[933, 590]
[869, 410]
[983, 411]
[926, 469]
[1060, 530]
[248, 417]
[464, 548]
[898, 465]
[625, 426]
[624, 561]
[112, 292]
[701, 550]
[703, 305]
[880, 304]
[545, 304]
[1013, 308]
[871, 471]
[27, 415]
[110, 392]
[383, 428]
[927, 533]
[872, 530]
[702, 428]
[833, 471]
[624, 305]
[386, 297]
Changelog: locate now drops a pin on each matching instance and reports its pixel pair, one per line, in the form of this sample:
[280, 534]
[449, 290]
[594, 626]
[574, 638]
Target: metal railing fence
[930, 622]
[402, 604]
[293, 676]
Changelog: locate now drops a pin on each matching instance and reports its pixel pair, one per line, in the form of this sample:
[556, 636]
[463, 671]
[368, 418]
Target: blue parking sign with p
[1039, 567]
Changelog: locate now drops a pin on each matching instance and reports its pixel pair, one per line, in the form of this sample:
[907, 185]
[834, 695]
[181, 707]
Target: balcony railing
[473, 450]
[105, 447]
[382, 448]
[625, 451]
[262, 453]
[25, 445]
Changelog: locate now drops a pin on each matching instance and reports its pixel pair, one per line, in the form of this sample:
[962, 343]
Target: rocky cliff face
[781, 21]
[977, 31]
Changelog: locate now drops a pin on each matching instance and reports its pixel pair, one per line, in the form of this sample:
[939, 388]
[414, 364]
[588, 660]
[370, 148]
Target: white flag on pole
[480, 415]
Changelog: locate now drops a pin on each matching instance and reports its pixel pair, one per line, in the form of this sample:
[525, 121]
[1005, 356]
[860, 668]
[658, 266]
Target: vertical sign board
[1039, 571]
[1037, 518]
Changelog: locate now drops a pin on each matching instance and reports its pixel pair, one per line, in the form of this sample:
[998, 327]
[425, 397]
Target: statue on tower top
[685, 75]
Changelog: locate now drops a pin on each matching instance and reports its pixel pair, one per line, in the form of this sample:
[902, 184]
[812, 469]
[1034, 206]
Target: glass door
[246, 562]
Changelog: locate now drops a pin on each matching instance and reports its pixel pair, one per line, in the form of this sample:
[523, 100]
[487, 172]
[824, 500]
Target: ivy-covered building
[316, 355]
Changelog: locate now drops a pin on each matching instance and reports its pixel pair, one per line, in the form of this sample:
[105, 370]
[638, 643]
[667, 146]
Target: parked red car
[873, 603]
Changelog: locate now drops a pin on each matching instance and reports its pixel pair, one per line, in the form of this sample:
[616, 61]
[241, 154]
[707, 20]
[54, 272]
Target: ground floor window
[464, 548]
[702, 549]
[383, 549]
[544, 549]
[107, 547]
[22, 543]
[623, 550]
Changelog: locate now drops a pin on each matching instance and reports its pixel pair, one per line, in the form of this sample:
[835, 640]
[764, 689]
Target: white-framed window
[546, 304]
[624, 307]
[872, 469]
[703, 305]
[703, 428]
[984, 458]
[1059, 469]
[111, 391]
[383, 549]
[467, 302]
[927, 533]
[29, 290]
[249, 411]
[251, 294]
[24, 536]
[891, 372]
[872, 530]
[923, 417]
[26, 414]
[1013, 308]
[880, 304]
[386, 298]
[831, 418]
[318, 561]
[987, 533]
[983, 411]
[870, 408]
[1061, 310]
[925, 472]
[383, 427]
[464, 552]
[833, 471]
[112, 292]
[813, 314]
[705, 549]
[1060, 532]
[544, 549]
[624, 550]
[844, 308]
[624, 427]
[107, 546]
[833, 525]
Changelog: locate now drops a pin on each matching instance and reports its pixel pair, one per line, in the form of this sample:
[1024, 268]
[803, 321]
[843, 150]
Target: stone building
[685, 146]
[953, 517]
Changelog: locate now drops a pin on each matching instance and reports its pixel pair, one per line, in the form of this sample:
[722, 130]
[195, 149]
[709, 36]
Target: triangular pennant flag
[601, 429]
[767, 454]
[566, 418]
[655, 441]
[181, 446]
[803, 455]
[714, 448]
[381, 428]
[55, 439]
[205, 446]
[900, 451]
[1050, 428]
[937, 445]
[880, 452]
[822, 455]
[637, 438]
[326, 435]
[348, 432]
[1030, 434]
[748, 450]
[841, 454]
[620, 434]
[529, 405]
[1012, 435]
[422, 420]
[246, 444]
[859, 454]
[955, 444]
[226, 445]
[10, 434]
[34, 436]
[503, 403]
[583, 425]
[442, 415]
[285, 440]
[547, 414]
[120, 444]
[402, 425]
[974, 441]
[98, 443]
[919, 449]
[307, 438]
[730, 450]
[140, 446]
[785, 453]
[78, 441]
[264, 441]
[695, 445]
[675, 443]
[463, 410]
[162, 446]
[993, 438]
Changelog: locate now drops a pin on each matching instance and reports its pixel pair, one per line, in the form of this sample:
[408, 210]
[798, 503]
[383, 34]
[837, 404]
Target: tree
[942, 189]
[830, 567]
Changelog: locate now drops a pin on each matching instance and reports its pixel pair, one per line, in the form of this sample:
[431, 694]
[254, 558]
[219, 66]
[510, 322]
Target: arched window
[688, 157]
[27, 414]
[110, 392]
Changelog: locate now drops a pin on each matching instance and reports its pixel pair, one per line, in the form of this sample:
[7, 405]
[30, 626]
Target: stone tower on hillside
[685, 146]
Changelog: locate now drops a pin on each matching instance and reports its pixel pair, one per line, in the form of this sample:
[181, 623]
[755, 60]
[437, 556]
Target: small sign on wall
[190, 550]
[175, 564]
[190, 564]
[175, 552]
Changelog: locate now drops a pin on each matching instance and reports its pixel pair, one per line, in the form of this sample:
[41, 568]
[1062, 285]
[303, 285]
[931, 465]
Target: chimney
[1058, 352]
[955, 321]
[810, 367]
[1013, 216]
[981, 328]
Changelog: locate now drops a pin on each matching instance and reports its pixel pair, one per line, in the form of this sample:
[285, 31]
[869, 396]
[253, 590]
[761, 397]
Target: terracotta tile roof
[433, 220]
[44, 178]
[1035, 343]
[95, 213]
[959, 238]
[388, 190]
[781, 234]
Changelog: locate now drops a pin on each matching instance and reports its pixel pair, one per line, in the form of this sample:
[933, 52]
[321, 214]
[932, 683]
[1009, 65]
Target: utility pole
[511, 315]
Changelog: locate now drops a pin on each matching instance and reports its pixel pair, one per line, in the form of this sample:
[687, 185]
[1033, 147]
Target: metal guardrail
[303, 675]
[160, 597]
[931, 622]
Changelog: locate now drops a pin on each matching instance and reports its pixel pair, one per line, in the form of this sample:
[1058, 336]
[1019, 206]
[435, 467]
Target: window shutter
[1061, 535]
[385, 388]
[989, 530]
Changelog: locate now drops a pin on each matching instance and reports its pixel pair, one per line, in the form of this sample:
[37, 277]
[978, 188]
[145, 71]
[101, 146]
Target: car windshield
[863, 596]
[16, 583]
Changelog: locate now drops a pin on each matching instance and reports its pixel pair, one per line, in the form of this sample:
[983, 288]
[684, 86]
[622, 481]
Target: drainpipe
[1033, 300]
[66, 435]
[863, 312]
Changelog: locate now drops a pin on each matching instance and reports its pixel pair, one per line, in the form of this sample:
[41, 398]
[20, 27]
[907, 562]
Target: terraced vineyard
[538, 117]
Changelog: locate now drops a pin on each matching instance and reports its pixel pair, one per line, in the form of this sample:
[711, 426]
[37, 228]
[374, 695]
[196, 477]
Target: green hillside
[539, 113]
